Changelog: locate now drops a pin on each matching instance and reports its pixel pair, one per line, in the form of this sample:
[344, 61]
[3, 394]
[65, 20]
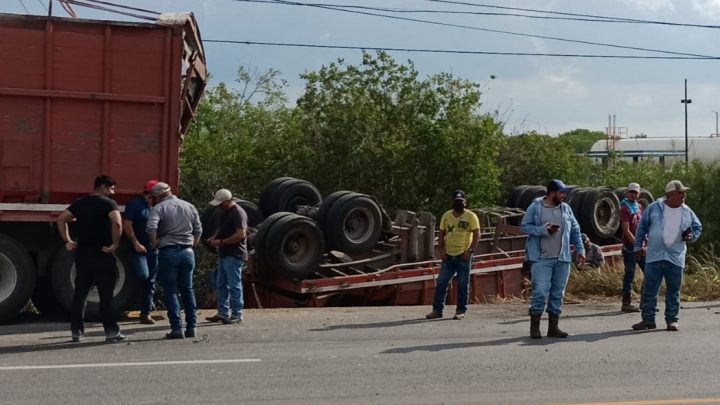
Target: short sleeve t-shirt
[138, 211]
[94, 229]
[231, 220]
[458, 231]
[632, 220]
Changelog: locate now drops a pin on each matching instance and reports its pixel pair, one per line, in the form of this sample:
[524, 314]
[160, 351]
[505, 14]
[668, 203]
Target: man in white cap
[630, 215]
[229, 240]
[174, 228]
[668, 225]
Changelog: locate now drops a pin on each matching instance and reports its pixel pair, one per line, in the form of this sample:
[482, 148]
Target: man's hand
[215, 242]
[467, 255]
[139, 248]
[70, 245]
[110, 249]
[581, 260]
[639, 254]
[552, 228]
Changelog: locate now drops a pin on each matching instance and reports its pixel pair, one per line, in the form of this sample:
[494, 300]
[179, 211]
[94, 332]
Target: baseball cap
[160, 188]
[221, 196]
[633, 187]
[675, 185]
[149, 185]
[458, 195]
[557, 185]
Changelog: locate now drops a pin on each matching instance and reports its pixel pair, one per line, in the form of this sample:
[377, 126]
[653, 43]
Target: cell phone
[555, 226]
[686, 233]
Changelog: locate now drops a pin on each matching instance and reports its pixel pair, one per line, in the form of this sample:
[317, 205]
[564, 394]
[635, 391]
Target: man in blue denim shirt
[552, 228]
[668, 225]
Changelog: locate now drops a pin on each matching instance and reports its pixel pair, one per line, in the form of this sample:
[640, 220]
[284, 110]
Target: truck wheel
[529, 195]
[327, 205]
[17, 278]
[353, 224]
[645, 198]
[262, 253]
[514, 195]
[63, 283]
[265, 202]
[45, 301]
[600, 213]
[295, 246]
[575, 199]
[291, 194]
[210, 220]
[254, 216]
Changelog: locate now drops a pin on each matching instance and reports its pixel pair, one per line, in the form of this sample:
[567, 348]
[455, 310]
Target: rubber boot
[553, 330]
[627, 305]
[535, 327]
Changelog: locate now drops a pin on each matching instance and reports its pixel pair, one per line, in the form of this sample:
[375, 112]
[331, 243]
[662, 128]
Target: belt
[176, 247]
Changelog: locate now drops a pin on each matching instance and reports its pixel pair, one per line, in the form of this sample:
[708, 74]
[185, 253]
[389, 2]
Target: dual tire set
[295, 226]
[597, 209]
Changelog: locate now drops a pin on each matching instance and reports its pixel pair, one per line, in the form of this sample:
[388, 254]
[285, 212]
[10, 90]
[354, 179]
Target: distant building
[663, 150]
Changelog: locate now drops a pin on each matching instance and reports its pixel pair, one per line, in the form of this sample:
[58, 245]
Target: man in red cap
[144, 257]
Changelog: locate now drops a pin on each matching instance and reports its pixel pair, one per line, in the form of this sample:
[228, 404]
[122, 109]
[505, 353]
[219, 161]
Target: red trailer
[79, 98]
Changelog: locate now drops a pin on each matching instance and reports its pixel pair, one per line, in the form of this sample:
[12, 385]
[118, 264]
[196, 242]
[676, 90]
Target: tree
[582, 139]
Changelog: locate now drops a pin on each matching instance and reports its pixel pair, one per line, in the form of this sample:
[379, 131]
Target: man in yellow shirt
[459, 234]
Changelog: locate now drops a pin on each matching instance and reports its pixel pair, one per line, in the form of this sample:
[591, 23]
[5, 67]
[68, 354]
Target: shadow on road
[69, 345]
[521, 340]
[388, 324]
[526, 319]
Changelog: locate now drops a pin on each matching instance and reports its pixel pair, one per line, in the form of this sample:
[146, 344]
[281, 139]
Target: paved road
[372, 355]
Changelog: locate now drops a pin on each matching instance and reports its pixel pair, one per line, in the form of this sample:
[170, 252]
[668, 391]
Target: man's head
[104, 185]
[222, 198]
[147, 189]
[557, 191]
[632, 192]
[675, 193]
[585, 239]
[459, 201]
[161, 190]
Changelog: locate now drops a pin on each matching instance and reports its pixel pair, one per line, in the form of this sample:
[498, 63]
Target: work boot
[535, 327]
[553, 330]
[434, 315]
[145, 319]
[626, 304]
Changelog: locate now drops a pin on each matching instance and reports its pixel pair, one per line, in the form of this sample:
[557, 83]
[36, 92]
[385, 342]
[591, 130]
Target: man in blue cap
[552, 228]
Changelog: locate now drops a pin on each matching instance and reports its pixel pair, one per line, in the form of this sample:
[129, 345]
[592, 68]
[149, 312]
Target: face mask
[458, 205]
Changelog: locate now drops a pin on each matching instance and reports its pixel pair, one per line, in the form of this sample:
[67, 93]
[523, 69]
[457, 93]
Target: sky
[548, 95]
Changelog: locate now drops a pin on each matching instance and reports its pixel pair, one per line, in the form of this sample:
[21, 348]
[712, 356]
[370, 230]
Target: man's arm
[62, 227]
[528, 223]
[196, 225]
[116, 224]
[130, 234]
[152, 226]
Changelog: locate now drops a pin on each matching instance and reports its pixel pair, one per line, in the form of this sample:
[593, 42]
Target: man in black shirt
[99, 227]
[229, 239]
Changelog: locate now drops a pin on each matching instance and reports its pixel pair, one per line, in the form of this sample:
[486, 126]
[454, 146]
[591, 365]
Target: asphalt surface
[375, 355]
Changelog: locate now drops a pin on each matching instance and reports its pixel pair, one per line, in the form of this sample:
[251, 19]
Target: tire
[265, 199]
[210, 220]
[575, 200]
[600, 213]
[17, 278]
[327, 205]
[295, 247]
[645, 198]
[45, 301]
[291, 194]
[254, 216]
[261, 249]
[620, 193]
[530, 194]
[514, 196]
[353, 224]
[63, 283]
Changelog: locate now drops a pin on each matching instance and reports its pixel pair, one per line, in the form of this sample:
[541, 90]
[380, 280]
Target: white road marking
[133, 364]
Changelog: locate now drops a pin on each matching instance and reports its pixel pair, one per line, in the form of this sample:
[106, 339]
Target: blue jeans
[451, 266]
[175, 270]
[654, 273]
[630, 262]
[549, 279]
[229, 286]
[145, 267]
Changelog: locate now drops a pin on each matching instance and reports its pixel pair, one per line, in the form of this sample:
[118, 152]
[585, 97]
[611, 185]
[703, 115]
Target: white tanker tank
[663, 150]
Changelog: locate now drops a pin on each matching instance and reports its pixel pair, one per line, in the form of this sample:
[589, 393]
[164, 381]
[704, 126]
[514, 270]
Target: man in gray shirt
[174, 229]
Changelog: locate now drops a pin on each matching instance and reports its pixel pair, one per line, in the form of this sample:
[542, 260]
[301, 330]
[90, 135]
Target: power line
[295, 3]
[449, 51]
[23, 6]
[98, 7]
[600, 17]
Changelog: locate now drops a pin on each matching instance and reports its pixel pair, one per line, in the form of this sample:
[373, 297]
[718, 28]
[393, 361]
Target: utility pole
[716, 124]
[686, 101]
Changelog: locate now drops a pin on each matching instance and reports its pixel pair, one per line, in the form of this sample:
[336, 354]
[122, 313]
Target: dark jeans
[451, 266]
[145, 267]
[630, 262]
[175, 270]
[99, 268]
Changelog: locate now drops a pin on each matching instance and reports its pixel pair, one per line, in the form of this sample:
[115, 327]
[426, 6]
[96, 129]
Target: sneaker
[78, 337]
[115, 339]
[629, 308]
[174, 335]
[217, 318]
[643, 325]
[189, 333]
[434, 315]
[672, 327]
[145, 319]
[232, 319]
[459, 316]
